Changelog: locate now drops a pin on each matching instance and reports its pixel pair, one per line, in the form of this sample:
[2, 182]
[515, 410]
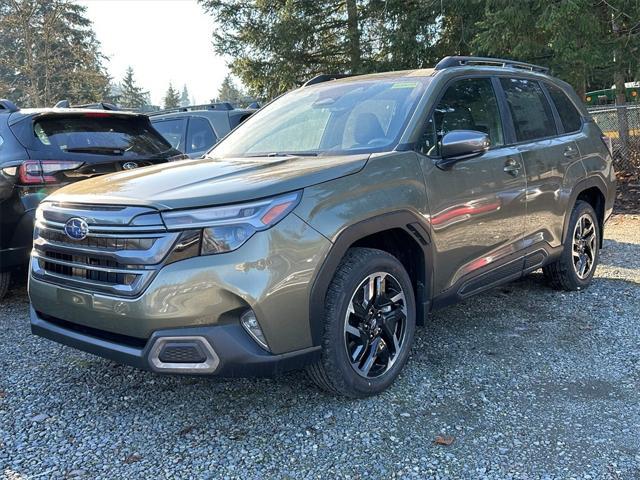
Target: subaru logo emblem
[129, 165]
[76, 228]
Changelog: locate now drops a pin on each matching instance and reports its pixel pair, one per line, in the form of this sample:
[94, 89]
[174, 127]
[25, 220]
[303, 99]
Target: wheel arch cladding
[399, 233]
[590, 190]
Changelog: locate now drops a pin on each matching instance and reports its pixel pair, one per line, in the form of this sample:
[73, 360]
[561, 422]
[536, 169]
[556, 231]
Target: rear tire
[577, 264]
[5, 279]
[369, 325]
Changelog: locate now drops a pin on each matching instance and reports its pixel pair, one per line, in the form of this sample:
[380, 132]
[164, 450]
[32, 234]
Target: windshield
[338, 117]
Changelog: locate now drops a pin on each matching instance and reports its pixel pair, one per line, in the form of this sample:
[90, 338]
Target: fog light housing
[250, 324]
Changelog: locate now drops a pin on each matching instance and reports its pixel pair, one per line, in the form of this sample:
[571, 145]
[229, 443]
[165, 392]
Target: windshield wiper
[97, 150]
[284, 154]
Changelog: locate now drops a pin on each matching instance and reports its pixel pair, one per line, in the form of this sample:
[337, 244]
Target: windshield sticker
[404, 85]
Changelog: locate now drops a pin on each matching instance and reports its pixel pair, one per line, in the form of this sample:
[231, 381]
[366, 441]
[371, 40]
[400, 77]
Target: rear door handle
[512, 167]
[570, 152]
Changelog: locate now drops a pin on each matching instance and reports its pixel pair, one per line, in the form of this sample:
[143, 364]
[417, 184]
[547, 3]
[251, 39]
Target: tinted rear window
[200, 136]
[569, 115]
[129, 137]
[172, 130]
[530, 110]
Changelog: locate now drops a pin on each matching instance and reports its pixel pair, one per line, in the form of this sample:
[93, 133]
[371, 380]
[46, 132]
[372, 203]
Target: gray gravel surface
[527, 382]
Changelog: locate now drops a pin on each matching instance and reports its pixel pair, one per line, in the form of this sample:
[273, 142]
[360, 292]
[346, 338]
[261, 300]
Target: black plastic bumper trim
[239, 355]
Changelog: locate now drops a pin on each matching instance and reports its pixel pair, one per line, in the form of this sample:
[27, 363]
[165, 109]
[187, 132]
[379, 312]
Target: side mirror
[462, 144]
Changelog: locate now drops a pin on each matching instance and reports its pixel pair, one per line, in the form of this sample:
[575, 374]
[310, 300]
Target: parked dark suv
[44, 149]
[195, 129]
[329, 224]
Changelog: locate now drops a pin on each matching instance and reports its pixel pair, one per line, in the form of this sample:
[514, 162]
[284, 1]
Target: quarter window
[468, 104]
[172, 130]
[530, 110]
[200, 136]
[569, 115]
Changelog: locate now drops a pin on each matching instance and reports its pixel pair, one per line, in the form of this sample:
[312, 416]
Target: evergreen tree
[230, 92]
[131, 95]
[184, 97]
[49, 52]
[171, 98]
[277, 45]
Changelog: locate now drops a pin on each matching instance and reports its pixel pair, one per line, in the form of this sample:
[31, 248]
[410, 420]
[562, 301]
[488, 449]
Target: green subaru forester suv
[328, 225]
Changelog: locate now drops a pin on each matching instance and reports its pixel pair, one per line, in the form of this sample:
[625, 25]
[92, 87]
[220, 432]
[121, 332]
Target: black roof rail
[460, 61]
[325, 77]
[8, 105]
[206, 106]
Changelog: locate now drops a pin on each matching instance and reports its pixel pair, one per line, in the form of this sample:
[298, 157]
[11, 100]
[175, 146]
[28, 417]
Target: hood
[208, 181]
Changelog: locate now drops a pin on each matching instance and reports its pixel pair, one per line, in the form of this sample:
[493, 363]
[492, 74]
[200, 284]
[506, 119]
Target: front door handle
[570, 152]
[512, 167]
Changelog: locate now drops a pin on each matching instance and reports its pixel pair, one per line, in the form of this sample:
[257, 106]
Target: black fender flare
[411, 222]
[581, 186]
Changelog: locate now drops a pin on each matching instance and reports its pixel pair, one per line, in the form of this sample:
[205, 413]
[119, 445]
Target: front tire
[577, 264]
[370, 319]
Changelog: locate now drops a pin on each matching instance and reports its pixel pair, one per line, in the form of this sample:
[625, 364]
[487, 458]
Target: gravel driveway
[526, 383]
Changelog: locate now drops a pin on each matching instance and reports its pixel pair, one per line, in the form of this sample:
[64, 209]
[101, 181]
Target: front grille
[123, 250]
[79, 271]
[102, 243]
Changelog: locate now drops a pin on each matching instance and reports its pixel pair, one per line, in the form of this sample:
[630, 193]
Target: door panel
[553, 166]
[477, 208]
[477, 214]
[552, 162]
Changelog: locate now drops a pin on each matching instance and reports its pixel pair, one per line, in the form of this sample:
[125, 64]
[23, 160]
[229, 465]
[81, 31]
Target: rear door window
[99, 134]
[569, 115]
[200, 135]
[173, 131]
[530, 110]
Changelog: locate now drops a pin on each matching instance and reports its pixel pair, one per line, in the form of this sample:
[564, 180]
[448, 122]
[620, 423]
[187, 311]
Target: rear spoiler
[93, 106]
[72, 111]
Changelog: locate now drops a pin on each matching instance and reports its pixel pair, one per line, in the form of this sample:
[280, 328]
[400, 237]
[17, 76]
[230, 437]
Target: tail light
[33, 172]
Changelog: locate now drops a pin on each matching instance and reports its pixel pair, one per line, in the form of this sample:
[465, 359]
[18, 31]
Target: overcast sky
[166, 40]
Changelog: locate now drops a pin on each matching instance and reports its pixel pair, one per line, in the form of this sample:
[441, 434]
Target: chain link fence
[621, 124]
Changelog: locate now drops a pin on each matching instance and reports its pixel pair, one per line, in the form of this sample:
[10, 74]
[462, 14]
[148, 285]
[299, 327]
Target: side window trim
[508, 128]
[440, 96]
[554, 110]
[186, 134]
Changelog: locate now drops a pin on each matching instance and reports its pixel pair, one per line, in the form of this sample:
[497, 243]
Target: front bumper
[270, 274]
[235, 353]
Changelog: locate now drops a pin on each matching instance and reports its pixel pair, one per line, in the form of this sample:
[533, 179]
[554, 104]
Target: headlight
[226, 228]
